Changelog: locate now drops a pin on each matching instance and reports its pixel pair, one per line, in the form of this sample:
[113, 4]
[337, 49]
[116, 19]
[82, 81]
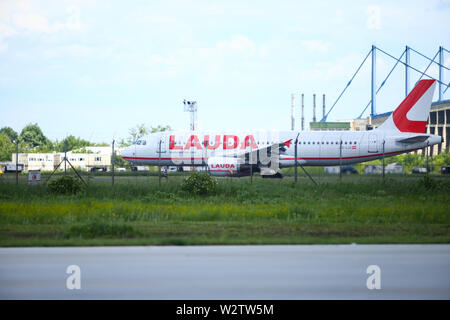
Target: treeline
[32, 140]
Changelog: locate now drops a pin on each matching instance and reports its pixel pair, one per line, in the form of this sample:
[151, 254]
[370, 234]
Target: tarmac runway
[227, 272]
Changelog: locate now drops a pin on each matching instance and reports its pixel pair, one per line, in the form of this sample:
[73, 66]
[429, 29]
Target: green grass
[405, 209]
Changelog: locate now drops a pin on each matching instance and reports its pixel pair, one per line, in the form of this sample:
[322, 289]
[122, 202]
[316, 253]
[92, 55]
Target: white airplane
[242, 153]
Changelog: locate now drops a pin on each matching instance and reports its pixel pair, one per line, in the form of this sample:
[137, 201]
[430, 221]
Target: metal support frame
[441, 61]
[373, 110]
[406, 71]
[382, 84]
[296, 164]
[428, 66]
[75, 170]
[348, 84]
[415, 69]
[309, 176]
[443, 87]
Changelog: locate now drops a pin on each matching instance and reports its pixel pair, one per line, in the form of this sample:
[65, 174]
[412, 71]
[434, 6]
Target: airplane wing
[255, 154]
[414, 139]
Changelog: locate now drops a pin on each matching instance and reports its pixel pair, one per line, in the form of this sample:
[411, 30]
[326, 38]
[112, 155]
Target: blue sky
[96, 68]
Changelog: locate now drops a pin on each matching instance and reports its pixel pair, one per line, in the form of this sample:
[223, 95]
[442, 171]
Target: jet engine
[229, 167]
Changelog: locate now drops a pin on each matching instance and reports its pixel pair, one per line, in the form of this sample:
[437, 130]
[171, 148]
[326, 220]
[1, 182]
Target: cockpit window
[141, 142]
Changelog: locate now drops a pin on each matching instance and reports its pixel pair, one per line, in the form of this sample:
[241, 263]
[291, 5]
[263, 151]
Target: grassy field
[362, 209]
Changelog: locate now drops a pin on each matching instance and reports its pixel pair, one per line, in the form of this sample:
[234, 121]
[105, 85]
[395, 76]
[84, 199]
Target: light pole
[383, 162]
[17, 161]
[159, 165]
[112, 162]
[295, 159]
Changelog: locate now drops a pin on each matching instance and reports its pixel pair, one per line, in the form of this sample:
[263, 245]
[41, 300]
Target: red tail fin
[412, 114]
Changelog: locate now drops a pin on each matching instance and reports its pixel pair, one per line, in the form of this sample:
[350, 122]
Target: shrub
[65, 185]
[200, 184]
[101, 229]
[428, 182]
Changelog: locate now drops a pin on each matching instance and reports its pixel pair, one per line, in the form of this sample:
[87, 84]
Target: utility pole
[159, 165]
[383, 162]
[303, 112]
[17, 161]
[314, 107]
[65, 155]
[323, 110]
[340, 161]
[112, 162]
[295, 160]
[250, 160]
[293, 113]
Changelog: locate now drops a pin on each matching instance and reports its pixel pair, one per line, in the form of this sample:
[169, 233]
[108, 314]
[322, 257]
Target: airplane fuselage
[314, 148]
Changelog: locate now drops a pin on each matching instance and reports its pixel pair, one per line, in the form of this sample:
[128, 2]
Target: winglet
[287, 143]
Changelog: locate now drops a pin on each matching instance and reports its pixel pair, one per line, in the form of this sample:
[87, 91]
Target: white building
[81, 161]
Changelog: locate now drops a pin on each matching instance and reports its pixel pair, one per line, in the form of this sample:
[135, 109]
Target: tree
[136, 133]
[120, 162]
[72, 144]
[33, 137]
[7, 148]
[139, 131]
[160, 129]
[442, 159]
[10, 133]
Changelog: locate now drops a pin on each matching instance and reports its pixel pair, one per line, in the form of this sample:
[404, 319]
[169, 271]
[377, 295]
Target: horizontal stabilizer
[414, 139]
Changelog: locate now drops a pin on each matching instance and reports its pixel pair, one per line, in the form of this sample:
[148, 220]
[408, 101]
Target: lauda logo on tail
[412, 114]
